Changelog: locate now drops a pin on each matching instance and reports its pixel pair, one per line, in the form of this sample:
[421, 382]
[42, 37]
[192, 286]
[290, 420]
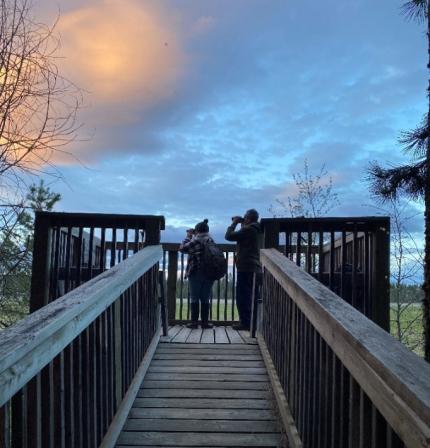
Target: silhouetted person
[248, 239]
[200, 286]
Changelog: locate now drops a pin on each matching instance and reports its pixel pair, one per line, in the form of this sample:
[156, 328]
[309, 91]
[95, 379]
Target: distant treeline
[406, 294]
[218, 288]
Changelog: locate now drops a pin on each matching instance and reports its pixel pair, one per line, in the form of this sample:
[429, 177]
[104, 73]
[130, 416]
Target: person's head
[202, 227]
[251, 216]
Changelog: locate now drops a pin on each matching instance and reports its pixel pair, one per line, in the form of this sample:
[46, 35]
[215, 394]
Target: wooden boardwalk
[205, 395]
[217, 335]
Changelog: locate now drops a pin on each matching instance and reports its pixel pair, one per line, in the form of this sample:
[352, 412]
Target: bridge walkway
[204, 394]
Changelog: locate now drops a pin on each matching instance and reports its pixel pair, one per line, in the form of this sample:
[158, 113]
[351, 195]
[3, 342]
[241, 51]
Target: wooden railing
[343, 381]
[72, 248]
[69, 371]
[223, 299]
[349, 255]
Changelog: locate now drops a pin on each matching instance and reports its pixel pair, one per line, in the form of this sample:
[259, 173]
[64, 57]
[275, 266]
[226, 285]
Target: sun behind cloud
[121, 50]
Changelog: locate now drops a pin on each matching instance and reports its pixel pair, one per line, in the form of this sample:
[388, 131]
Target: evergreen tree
[413, 179]
[16, 250]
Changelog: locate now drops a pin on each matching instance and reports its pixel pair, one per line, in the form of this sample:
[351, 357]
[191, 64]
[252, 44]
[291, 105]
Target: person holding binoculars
[248, 240]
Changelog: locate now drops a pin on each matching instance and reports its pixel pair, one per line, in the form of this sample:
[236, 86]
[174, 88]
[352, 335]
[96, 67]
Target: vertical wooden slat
[113, 248]
[379, 429]
[322, 391]
[56, 267]
[99, 374]
[136, 240]
[92, 385]
[103, 249]
[271, 235]
[33, 412]
[90, 254]
[79, 257]
[86, 392]
[19, 419]
[69, 397]
[309, 253]
[320, 255]
[172, 274]
[344, 407]
[39, 289]
[225, 279]
[58, 409]
[354, 414]
[299, 249]
[366, 271]
[68, 260]
[181, 288]
[336, 403]
[77, 391]
[233, 290]
[5, 426]
[118, 352]
[354, 295]
[380, 277]
[328, 393]
[315, 389]
[111, 361]
[331, 259]
[365, 420]
[125, 243]
[393, 440]
[343, 266]
[47, 405]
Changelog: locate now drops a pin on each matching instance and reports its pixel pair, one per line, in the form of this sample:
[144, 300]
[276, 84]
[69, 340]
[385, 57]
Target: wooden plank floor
[180, 334]
[204, 395]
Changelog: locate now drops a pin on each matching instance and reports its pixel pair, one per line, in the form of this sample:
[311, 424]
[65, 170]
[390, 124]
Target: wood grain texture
[395, 378]
[28, 346]
[213, 401]
[197, 439]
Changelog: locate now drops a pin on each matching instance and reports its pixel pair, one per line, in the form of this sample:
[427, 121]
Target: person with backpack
[206, 263]
[248, 243]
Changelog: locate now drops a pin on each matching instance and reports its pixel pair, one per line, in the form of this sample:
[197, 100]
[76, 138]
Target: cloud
[217, 120]
[121, 51]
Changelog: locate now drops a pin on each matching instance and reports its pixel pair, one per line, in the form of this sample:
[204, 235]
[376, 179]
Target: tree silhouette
[413, 179]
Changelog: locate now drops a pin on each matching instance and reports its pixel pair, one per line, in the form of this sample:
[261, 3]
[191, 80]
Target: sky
[203, 109]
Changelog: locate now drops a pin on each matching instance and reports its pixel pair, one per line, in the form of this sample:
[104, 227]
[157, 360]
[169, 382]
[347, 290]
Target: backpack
[213, 261]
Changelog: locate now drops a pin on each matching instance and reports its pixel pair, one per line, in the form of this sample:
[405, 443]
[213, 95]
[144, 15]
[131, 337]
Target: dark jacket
[249, 239]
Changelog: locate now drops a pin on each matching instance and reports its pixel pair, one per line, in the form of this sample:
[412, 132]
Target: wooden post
[39, 291]
[380, 300]
[118, 353]
[256, 302]
[271, 234]
[172, 274]
[152, 232]
[163, 303]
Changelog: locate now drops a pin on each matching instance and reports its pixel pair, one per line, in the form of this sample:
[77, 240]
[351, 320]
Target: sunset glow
[120, 50]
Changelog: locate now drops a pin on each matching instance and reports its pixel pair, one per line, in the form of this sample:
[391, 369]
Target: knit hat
[202, 227]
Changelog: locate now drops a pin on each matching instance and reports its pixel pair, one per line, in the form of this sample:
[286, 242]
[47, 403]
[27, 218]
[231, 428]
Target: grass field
[214, 311]
[411, 327]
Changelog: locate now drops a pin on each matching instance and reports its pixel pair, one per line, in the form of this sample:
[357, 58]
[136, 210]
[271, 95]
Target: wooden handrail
[395, 379]
[33, 342]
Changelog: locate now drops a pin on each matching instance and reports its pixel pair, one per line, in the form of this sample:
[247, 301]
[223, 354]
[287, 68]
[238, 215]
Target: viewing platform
[104, 359]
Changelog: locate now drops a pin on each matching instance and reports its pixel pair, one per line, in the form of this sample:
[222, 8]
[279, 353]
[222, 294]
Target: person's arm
[237, 235]
[185, 245]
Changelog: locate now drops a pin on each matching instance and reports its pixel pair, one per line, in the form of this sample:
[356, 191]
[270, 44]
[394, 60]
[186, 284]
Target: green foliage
[16, 247]
[407, 325]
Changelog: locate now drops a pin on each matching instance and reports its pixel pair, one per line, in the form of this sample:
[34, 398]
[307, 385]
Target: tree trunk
[426, 284]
